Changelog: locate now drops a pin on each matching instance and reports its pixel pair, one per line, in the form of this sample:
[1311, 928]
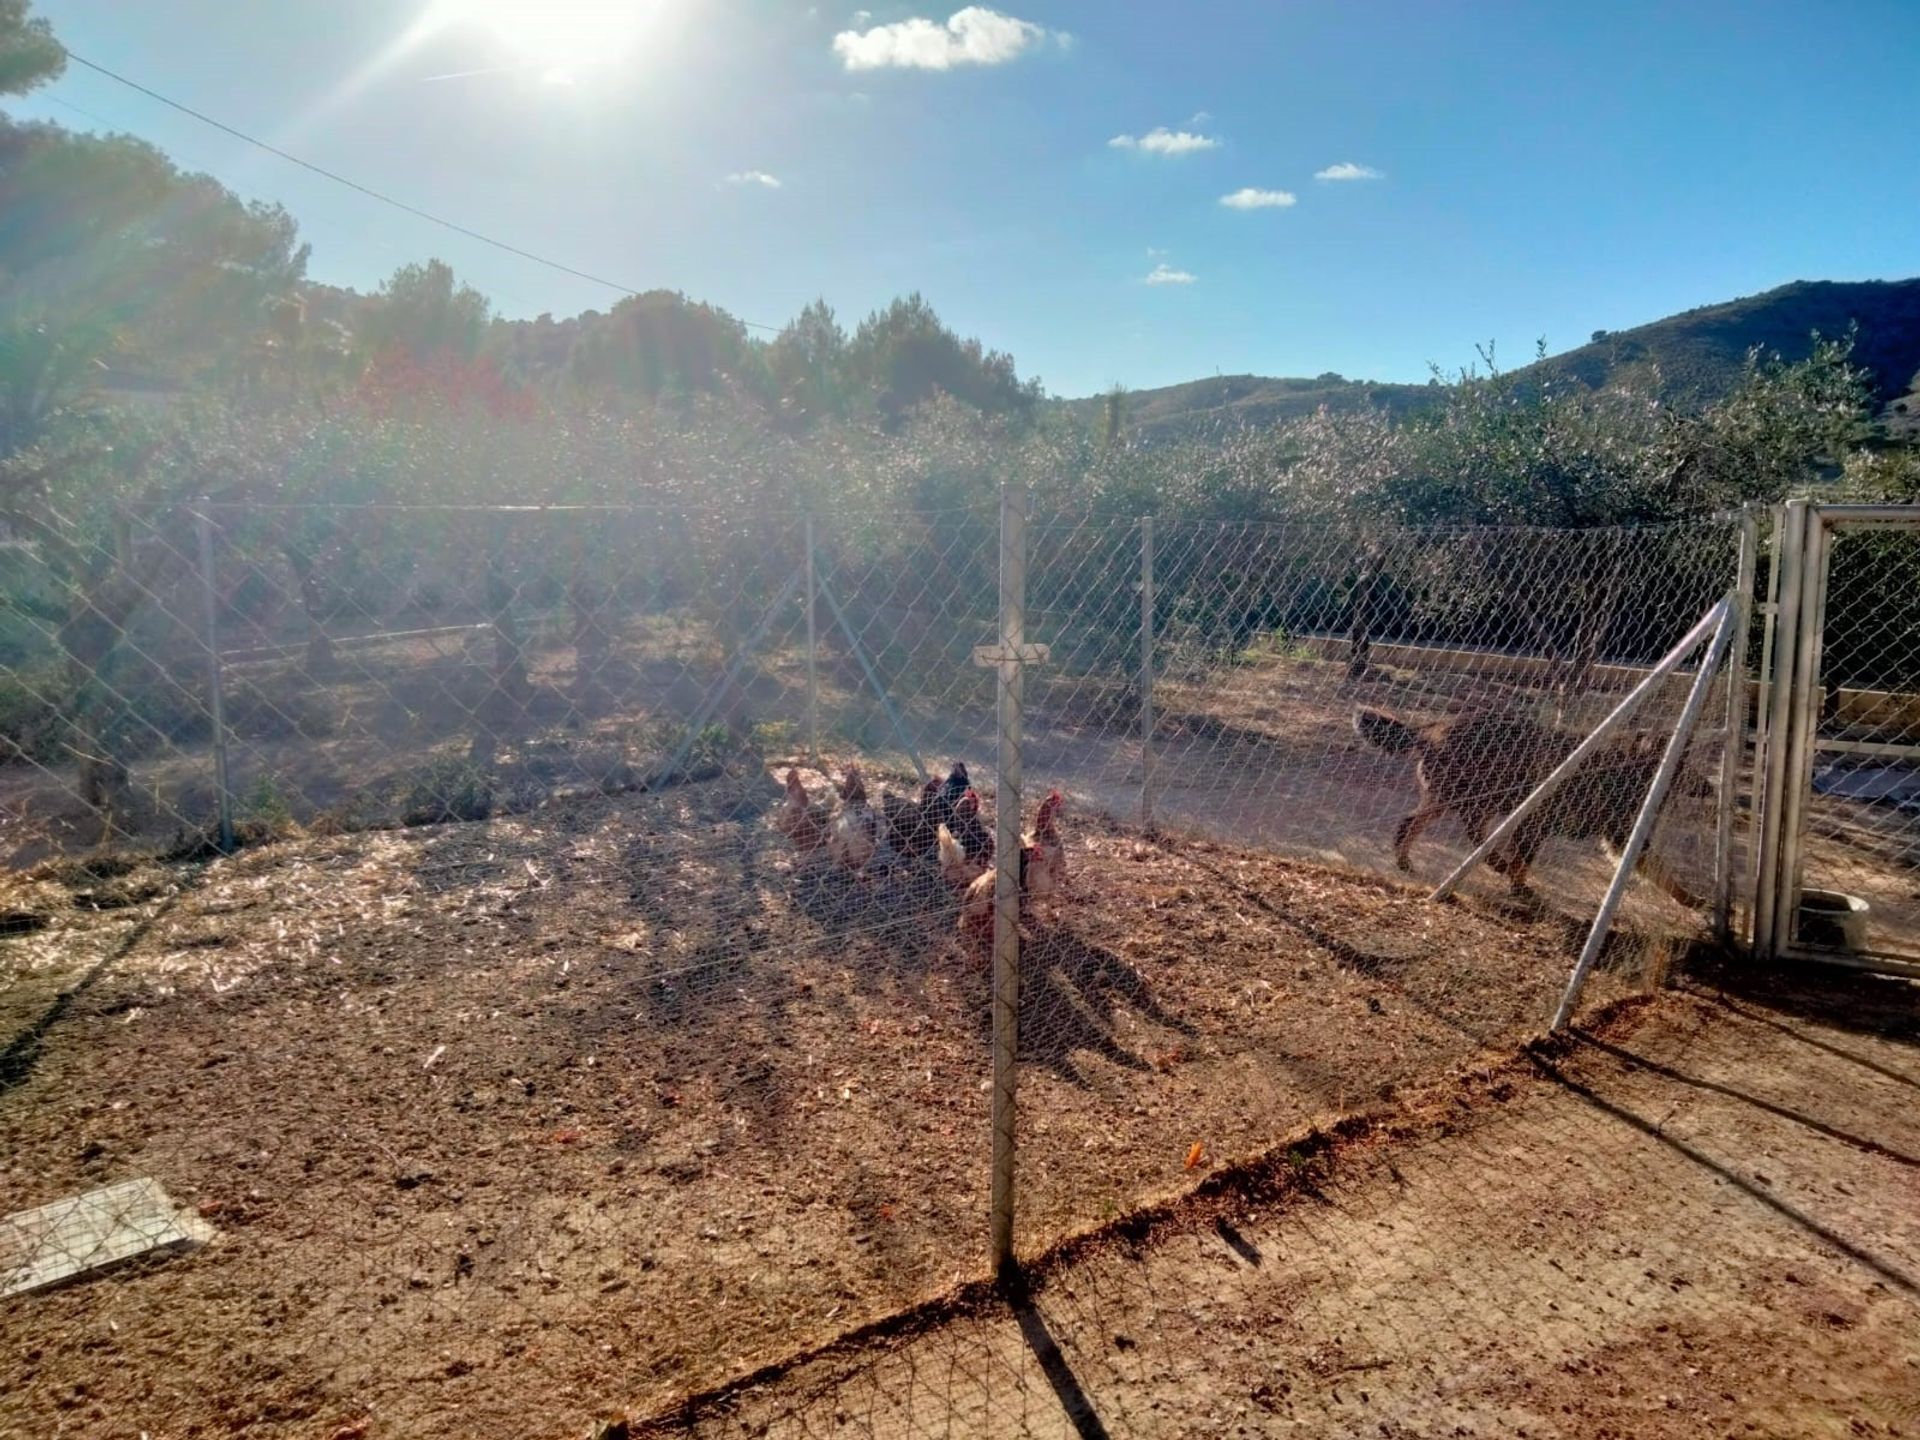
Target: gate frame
[1789, 738]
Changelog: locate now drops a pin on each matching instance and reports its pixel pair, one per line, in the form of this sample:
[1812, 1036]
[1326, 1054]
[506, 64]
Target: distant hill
[1698, 355]
[1235, 402]
[1700, 352]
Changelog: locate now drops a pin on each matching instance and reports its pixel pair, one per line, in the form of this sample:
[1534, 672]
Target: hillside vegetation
[160, 341]
[1224, 403]
[1690, 360]
[1696, 357]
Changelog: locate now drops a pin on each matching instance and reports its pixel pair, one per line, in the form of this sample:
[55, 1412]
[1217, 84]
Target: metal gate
[1837, 769]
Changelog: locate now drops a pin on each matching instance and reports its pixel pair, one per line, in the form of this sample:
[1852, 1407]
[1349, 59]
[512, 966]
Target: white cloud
[1199, 119]
[973, 36]
[1347, 170]
[1154, 252]
[1248, 198]
[754, 177]
[1162, 141]
[1165, 274]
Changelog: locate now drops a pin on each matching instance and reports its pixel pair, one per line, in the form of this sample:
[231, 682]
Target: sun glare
[554, 38]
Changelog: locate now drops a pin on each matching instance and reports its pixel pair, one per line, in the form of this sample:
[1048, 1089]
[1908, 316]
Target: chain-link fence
[1858, 842]
[539, 961]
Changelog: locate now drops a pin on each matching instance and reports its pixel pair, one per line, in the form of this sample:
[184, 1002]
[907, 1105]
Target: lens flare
[554, 39]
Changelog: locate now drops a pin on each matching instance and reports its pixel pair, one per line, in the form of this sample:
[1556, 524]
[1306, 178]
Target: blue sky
[1544, 169]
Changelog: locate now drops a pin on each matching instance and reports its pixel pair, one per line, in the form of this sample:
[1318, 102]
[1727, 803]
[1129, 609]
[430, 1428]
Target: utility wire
[367, 190]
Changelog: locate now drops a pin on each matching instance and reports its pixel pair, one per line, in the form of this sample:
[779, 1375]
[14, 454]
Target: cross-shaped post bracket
[992, 657]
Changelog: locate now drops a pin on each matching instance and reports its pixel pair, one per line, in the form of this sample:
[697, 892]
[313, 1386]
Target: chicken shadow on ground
[717, 911]
[752, 924]
[912, 901]
[1070, 991]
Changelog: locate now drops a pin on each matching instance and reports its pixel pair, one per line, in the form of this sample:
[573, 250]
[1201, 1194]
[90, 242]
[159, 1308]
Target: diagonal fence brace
[1708, 624]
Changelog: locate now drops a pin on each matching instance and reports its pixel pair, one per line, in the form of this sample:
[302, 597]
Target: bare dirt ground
[1698, 1219]
[509, 1125]
[506, 1125]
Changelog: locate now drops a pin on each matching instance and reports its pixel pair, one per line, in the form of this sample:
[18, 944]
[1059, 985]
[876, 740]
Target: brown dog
[1480, 766]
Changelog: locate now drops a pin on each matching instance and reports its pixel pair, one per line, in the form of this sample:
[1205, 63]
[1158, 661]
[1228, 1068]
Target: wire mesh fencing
[597, 1003]
[1316, 714]
[534, 1041]
[1860, 838]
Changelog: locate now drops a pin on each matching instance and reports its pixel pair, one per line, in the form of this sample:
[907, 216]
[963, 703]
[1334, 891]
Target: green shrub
[266, 803]
[772, 737]
[30, 705]
[447, 788]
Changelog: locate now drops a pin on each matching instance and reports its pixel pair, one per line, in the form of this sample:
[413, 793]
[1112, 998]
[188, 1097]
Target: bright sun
[553, 36]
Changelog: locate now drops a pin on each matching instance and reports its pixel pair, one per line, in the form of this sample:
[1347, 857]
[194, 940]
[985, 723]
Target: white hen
[855, 834]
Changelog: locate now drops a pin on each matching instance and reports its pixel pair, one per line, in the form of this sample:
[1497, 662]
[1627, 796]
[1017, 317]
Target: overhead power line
[369, 191]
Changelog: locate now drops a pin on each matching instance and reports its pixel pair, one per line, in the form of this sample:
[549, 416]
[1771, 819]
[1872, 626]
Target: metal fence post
[1790, 556]
[1733, 744]
[813, 676]
[203, 524]
[1762, 713]
[1146, 672]
[1006, 881]
[1804, 723]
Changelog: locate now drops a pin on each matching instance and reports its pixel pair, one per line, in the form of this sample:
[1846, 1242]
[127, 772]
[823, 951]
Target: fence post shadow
[1886, 1270]
[1072, 1396]
[1865, 1144]
[22, 1052]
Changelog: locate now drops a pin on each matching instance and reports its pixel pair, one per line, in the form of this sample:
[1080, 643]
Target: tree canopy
[117, 267]
[424, 313]
[907, 356]
[659, 343]
[29, 55]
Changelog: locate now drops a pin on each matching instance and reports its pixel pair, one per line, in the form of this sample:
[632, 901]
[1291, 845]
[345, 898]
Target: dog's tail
[1388, 732]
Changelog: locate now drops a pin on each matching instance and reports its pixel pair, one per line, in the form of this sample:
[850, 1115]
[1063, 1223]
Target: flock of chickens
[941, 825]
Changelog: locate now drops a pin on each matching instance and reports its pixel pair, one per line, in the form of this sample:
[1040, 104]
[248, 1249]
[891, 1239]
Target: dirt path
[1703, 1222]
